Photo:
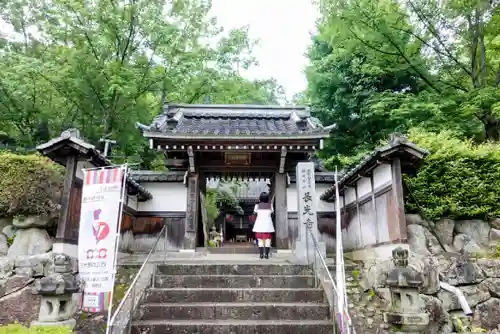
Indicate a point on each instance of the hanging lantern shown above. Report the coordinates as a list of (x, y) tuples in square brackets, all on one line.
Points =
[(229, 218)]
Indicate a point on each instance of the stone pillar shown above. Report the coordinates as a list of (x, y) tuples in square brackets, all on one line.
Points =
[(307, 220), (193, 198), (281, 214), (397, 224)]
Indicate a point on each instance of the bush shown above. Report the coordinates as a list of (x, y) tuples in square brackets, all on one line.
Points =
[(29, 185), (19, 329), (459, 179)]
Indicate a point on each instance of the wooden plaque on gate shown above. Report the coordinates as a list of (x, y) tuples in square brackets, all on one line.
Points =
[(238, 159)]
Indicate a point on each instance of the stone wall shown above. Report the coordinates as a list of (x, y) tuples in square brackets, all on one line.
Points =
[(463, 254), (25, 253)]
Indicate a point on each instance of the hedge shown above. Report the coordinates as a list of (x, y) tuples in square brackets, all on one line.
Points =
[(458, 180), (29, 185)]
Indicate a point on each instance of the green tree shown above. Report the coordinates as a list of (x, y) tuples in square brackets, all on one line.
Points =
[(102, 66), (383, 66)]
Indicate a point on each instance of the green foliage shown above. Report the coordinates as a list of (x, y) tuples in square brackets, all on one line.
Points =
[(220, 197), (344, 162), (10, 240), (458, 179), (30, 185), (385, 66), (101, 67), (19, 329)]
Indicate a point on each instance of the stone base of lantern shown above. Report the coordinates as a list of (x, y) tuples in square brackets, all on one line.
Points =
[(58, 308), (406, 323), (70, 323)]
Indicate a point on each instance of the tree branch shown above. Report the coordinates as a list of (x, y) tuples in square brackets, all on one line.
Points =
[(371, 46), (399, 51), (430, 27)]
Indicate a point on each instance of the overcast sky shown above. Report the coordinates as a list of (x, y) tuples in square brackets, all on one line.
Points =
[(283, 28)]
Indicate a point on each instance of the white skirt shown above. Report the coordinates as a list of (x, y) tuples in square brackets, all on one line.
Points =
[(263, 225)]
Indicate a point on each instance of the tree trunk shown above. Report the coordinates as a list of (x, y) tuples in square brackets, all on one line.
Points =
[(491, 128)]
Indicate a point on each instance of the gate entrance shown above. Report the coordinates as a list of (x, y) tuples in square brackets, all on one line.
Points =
[(234, 143)]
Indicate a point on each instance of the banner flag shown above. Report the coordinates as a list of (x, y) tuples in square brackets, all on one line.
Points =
[(100, 215)]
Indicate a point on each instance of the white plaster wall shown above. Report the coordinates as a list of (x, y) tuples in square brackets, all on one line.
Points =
[(322, 206), (171, 196), (291, 198), (364, 186), (132, 202), (382, 175), (333, 205), (82, 165), (350, 195)]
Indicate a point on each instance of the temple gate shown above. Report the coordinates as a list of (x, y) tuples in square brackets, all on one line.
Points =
[(235, 141)]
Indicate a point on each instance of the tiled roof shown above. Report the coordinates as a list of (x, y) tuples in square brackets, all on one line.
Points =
[(397, 143), (153, 176), (71, 136), (234, 121)]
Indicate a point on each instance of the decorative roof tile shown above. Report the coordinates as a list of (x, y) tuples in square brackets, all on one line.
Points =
[(235, 121)]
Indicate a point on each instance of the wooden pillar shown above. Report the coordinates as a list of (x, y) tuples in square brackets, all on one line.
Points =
[(398, 227), (193, 198), (63, 226), (281, 214), (374, 208)]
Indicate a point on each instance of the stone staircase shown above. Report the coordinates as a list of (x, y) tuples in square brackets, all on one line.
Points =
[(233, 298)]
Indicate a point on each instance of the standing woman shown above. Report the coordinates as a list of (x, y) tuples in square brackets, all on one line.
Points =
[(263, 226)]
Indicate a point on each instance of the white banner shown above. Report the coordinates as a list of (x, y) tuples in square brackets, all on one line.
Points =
[(99, 218)]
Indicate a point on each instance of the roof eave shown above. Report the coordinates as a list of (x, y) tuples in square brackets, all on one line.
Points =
[(241, 137), (89, 152), (407, 150)]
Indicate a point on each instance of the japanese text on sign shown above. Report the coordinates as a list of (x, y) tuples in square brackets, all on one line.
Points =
[(306, 194)]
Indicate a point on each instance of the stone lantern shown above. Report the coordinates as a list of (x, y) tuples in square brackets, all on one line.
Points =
[(60, 293), (406, 313)]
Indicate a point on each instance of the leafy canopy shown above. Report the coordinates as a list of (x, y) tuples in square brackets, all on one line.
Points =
[(101, 66)]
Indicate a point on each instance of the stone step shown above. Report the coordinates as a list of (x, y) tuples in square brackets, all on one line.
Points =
[(234, 311), (233, 327), (218, 295), (242, 281), (233, 269)]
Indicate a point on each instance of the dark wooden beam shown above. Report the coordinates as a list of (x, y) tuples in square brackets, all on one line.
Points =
[(69, 181)]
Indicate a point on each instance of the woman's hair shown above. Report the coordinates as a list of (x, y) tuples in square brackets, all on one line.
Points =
[(264, 197)]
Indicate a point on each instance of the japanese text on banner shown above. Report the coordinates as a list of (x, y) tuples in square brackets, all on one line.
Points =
[(100, 211)]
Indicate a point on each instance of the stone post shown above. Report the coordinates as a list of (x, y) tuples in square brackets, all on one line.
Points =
[(281, 214), (307, 219), (191, 227)]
